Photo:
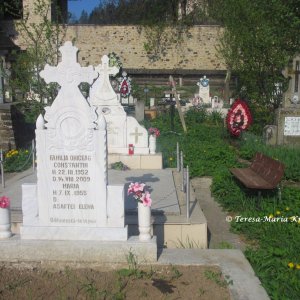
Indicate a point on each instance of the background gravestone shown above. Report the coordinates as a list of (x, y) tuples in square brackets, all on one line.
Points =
[(140, 110), (270, 134), (203, 84), (122, 130), (288, 116)]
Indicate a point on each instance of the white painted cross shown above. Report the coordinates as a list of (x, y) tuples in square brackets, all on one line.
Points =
[(68, 72), (136, 134)]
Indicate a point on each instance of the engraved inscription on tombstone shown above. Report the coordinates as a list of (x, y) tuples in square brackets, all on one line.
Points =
[(292, 126)]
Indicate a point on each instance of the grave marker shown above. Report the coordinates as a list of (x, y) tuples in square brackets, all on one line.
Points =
[(120, 126), (203, 84), (73, 200)]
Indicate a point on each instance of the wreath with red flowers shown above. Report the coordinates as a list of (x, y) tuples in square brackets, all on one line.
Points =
[(125, 85), (238, 118)]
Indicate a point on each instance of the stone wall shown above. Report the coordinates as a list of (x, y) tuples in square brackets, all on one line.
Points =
[(195, 54), (7, 140), (197, 51)]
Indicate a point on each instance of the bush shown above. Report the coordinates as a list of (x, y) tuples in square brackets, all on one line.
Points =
[(17, 160)]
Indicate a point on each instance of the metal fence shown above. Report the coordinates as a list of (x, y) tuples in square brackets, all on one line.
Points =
[(185, 179)]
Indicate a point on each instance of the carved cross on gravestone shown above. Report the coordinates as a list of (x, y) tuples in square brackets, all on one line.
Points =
[(136, 134), (68, 71), (105, 70)]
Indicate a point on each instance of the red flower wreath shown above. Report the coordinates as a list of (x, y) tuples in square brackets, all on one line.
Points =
[(238, 118)]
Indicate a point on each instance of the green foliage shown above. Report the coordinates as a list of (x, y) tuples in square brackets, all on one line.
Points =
[(289, 155), (176, 273), (119, 166), (133, 268), (250, 28), (224, 245), (141, 12), (43, 38), (17, 160), (217, 278), (262, 115), (273, 243), (208, 145)]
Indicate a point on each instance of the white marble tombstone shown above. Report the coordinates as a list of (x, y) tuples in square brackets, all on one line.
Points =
[(203, 84), (121, 130), (72, 200)]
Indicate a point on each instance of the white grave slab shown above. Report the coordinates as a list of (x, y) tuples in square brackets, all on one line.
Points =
[(121, 130), (204, 90), (72, 198)]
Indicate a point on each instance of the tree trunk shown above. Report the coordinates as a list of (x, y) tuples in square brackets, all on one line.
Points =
[(227, 85)]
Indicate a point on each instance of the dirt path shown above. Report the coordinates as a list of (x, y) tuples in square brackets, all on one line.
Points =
[(219, 235)]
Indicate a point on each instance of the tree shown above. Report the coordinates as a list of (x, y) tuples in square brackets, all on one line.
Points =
[(259, 40), (84, 18), (42, 38), (138, 12)]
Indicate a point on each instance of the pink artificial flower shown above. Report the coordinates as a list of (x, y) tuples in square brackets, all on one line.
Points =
[(4, 202), (136, 187), (146, 200), (154, 131)]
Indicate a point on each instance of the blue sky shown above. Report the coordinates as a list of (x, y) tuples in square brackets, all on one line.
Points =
[(76, 6)]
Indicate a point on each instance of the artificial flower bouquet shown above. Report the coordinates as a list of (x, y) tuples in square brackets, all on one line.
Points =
[(4, 202), (139, 194), (154, 131)]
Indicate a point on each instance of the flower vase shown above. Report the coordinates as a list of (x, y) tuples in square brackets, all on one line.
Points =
[(152, 144), (144, 218), (5, 226)]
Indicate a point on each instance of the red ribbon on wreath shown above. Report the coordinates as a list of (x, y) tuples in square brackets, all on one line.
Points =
[(238, 118)]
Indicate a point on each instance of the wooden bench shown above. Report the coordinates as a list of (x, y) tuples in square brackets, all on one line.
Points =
[(264, 173)]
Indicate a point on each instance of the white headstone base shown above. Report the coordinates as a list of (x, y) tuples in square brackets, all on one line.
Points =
[(136, 162), (78, 252), (120, 150), (73, 233)]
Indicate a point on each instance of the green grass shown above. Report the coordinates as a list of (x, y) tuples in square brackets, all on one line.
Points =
[(208, 152)]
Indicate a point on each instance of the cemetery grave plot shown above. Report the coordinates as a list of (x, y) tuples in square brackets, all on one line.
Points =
[(156, 282)]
